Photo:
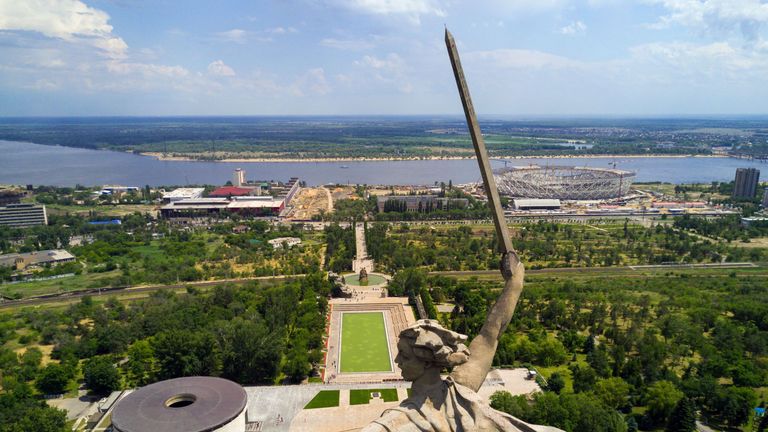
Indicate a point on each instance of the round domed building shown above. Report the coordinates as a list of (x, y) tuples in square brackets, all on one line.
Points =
[(190, 404)]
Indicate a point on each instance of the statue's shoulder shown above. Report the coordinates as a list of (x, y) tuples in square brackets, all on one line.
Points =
[(394, 420)]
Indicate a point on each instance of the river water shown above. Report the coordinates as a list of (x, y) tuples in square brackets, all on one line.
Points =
[(25, 163)]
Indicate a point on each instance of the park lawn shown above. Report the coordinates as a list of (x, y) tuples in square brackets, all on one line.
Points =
[(324, 399), (152, 250), (362, 397), (364, 346)]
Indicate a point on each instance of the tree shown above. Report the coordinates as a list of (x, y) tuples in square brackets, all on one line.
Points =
[(661, 398), (20, 411), (550, 352), (53, 379), (632, 425), (763, 427), (141, 365), (183, 353), (584, 378), (683, 417), (408, 281), (513, 405), (251, 353), (733, 405), (101, 376), (555, 383), (613, 392), (598, 359)]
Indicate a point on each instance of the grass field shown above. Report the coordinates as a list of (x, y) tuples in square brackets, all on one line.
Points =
[(362, 397), (364, 346), (324, 399)]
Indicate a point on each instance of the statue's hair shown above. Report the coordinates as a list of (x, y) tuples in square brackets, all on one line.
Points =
[(436, 344)]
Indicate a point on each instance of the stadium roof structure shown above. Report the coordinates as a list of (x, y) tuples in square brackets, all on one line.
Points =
[(564, 182), (190, 404)]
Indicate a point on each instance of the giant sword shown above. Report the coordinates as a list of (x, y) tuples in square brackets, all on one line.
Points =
[(483, 347)]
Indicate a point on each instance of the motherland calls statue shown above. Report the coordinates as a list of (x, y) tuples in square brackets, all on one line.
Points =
[(436, 404), (426, 348)]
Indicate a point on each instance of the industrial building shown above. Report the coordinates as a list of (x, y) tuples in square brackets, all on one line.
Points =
[(232, 191), (564, 182), (21, 261), (419, 203), (117, 190), (745, 183), (536, 204), (214, 207), (10, 196), (189, 404), (23, 215), (288, 242), (182, 193)]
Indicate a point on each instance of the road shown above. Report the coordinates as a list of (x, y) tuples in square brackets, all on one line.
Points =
[(734, 265), (74, 295)]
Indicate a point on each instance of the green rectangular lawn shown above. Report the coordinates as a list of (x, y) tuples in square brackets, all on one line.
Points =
[(364, 346)]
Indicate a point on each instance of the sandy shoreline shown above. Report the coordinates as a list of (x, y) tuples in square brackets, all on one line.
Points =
[(163, 157)]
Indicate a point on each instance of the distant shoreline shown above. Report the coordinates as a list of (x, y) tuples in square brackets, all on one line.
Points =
[(163, 157)]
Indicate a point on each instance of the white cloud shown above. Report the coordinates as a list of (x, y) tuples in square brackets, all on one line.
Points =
[(43, 84), (218, 68), (391, 69), (411, 9), (281, 30), (313, 82), (147, 70), (235, 35), (70, 20), (718, 60), (744, 16), (393, 63), (347, 44), (574, 28), (522, 59)]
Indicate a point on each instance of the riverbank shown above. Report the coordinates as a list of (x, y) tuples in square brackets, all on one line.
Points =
[(186, 158)]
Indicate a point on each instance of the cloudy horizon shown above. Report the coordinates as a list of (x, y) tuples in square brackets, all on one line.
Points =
[(522, 58)]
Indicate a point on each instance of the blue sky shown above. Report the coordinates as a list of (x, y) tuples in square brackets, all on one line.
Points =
[(331, 57)]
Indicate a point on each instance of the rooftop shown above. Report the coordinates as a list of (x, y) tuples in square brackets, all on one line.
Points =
[(183, 192), (230, 191), (190, 404)]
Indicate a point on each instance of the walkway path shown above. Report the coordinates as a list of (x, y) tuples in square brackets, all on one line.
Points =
[(330, 198), (361, 259)]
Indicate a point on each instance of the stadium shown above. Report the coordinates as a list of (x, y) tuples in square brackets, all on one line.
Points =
[(564, 182)]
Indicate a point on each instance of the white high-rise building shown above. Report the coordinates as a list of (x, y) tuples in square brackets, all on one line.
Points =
[(238, 178), (765, 198)]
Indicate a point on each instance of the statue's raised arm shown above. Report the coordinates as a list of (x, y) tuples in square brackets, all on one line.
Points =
[(483, 347), (426, 348)]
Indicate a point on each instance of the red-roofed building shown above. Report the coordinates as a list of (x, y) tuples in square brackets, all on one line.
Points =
[(230, 191)]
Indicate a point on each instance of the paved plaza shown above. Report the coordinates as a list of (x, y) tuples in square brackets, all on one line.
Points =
[(281, 408)]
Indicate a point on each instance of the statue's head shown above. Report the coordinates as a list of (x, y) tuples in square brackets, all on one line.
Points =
[(427, 345)]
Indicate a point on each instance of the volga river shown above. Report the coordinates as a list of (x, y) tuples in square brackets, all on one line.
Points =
[(25, 163)]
